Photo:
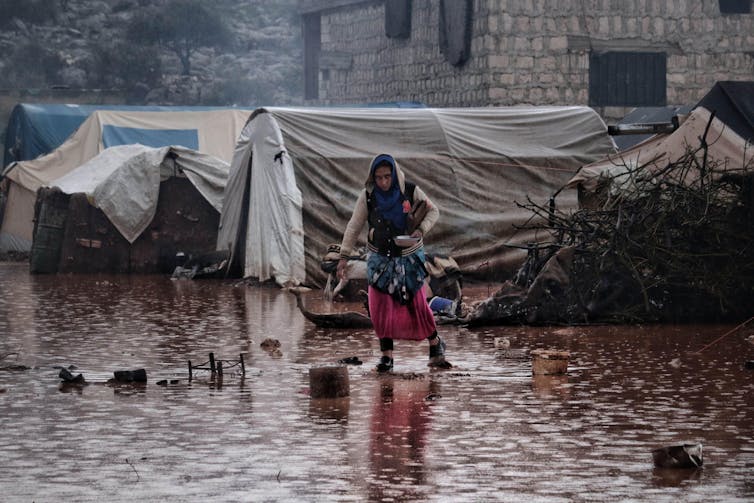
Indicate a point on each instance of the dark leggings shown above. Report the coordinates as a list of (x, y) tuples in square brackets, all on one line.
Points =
[(386, 343)]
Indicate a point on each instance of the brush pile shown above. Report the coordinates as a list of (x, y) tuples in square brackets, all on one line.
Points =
[(670, 243)]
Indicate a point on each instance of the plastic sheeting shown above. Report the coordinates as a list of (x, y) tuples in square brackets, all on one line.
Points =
[(297, 173), (124, 182), (215, 131)]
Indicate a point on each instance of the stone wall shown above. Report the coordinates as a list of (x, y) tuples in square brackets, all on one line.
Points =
[(527, 51)]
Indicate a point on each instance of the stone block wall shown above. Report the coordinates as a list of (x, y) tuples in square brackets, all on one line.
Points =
[(528, 51), (384, 69)]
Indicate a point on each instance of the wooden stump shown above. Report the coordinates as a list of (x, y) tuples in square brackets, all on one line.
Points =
[(328, 382), (546, 361)]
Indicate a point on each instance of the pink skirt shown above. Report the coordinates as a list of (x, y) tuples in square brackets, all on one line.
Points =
[(413, 322)]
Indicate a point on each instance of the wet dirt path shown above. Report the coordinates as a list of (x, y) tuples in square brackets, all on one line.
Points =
[(486, 430)]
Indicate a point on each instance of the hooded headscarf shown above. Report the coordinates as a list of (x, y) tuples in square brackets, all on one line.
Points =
[(389, 202)]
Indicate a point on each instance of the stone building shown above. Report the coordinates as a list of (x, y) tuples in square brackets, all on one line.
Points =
[(612, 55)]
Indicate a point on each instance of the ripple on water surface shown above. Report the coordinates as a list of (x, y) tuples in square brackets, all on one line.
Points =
[(486, 430)]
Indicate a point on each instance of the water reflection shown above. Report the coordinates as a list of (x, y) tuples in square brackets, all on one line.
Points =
[(399, 427), (550, 386), (330, 409), (485, 431), (668, 477)]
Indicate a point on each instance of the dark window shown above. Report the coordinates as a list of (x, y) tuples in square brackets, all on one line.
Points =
[(735, 6), (398, 18), (627, 79), (312, 49)]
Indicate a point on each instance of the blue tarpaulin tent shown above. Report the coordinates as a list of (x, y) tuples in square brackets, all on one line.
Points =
[(36, 129)]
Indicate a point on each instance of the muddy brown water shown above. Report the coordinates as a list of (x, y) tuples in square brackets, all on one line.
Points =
[(486, 430)]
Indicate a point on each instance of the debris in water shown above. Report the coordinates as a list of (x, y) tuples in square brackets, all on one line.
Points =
[(675, 362), (11, 368), (272, 346), (139, 375), (678, 456), (351, 360), (502, 343), (67, 377), (165, 382), (216, 366), (270, 343)]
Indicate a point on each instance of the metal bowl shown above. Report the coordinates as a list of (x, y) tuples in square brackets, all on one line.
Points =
[(405, 241)]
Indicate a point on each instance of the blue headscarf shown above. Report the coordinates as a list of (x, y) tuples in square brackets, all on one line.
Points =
[(389, 202)]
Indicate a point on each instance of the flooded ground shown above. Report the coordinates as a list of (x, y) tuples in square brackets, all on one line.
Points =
[(486, 430)]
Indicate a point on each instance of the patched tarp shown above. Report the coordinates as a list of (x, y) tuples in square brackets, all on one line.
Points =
[(297, 173), (213, 132), (124, 182)]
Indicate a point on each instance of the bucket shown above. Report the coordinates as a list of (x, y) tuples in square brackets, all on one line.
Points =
[(547, 361), (441, 305)]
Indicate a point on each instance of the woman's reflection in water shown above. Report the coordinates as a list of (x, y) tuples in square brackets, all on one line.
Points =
[(398, 437)]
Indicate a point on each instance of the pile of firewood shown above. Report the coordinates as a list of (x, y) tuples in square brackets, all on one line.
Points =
[(665, 244)]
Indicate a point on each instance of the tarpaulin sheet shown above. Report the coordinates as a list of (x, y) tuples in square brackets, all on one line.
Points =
[(124, 182)]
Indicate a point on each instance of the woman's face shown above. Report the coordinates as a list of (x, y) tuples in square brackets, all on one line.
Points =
[(383, 177)]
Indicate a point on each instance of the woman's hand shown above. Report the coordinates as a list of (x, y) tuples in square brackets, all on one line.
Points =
[(342, 263), (417, 234)]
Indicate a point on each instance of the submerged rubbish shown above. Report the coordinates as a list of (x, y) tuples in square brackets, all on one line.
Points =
[(678, 456), (351, 360), (12, 368), (69, 378), (139, 375)]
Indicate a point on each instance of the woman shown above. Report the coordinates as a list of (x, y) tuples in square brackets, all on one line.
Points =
[(397, 303)]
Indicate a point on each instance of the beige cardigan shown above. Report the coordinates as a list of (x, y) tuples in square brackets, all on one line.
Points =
[(360, 214)]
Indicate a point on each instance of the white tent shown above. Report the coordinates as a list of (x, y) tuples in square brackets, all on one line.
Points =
[(212, 132), (296, 174)]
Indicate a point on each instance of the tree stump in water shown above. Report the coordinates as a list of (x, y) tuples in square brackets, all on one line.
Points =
[(328, 382)]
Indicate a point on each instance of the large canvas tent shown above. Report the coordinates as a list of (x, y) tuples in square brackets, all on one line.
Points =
[(725, 117), (96, 217), (212, 132), (296, 174)]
